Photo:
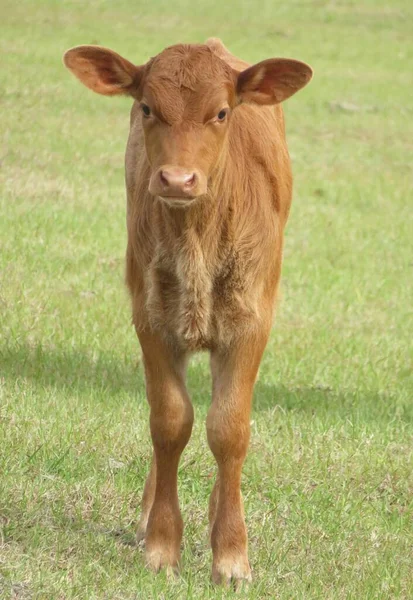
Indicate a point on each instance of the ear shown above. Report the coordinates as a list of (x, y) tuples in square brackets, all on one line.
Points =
[(272, 81), (103, 70)]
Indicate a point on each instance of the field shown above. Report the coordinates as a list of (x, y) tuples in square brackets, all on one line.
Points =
[(328, 483)]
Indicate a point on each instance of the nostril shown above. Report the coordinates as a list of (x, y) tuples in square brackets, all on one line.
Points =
[(190, 180), (163, 178), (175, 180)]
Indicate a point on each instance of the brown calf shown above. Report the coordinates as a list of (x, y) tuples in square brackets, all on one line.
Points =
[(209, 190)]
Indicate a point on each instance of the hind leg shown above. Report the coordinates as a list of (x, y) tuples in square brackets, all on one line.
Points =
[(147, 500)]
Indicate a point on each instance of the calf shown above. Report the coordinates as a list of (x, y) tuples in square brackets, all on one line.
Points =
[(209, 190)]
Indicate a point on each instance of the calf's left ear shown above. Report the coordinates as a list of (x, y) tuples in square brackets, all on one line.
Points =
[(272, 81)]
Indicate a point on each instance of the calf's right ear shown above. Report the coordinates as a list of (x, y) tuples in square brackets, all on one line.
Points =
[(103, 71)]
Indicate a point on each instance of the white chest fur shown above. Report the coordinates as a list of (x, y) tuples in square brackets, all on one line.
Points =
[(179, 292)]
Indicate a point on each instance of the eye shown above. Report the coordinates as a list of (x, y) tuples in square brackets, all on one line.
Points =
[(221, 116), (146, 110)]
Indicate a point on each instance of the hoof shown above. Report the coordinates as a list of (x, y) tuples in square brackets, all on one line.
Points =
[(140, 535), (162, 558), (235, 571)]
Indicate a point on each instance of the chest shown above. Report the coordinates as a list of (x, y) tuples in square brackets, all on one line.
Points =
[(200, 298)]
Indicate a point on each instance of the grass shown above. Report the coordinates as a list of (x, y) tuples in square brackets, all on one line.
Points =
[(328, 482)]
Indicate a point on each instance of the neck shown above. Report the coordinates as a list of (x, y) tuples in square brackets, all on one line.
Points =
[(200, 217)]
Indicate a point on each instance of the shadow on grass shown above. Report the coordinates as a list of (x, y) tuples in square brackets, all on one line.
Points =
[(80, 373), (73, 369), (350, 405)]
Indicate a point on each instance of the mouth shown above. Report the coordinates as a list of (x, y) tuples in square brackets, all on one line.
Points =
[(177, 202)]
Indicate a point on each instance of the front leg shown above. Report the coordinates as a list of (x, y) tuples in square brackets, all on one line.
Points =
[(234, 372), (171, 419)]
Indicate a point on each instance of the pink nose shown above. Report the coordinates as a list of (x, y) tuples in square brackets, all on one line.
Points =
[(175, 181)]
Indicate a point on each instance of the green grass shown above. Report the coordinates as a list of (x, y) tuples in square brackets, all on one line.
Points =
[(328, 482)]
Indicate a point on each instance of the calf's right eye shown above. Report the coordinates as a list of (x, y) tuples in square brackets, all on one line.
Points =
[(146, 110)]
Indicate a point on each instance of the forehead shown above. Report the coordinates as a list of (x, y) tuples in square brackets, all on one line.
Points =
[(185, 80)]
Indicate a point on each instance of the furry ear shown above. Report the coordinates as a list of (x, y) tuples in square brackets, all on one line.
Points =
[(103, 70), (272, 81)]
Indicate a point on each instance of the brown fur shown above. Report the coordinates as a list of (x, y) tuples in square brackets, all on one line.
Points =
[(203, 274)]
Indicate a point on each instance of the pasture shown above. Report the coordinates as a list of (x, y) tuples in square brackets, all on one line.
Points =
[(328, 481)]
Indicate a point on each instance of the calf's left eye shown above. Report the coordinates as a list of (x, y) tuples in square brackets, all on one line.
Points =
[(221, 116)]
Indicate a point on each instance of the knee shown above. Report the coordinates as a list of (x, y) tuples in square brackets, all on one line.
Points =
[(228, 433), (171, 426)]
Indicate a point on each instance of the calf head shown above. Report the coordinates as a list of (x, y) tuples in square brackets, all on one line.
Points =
[(187, 94)]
